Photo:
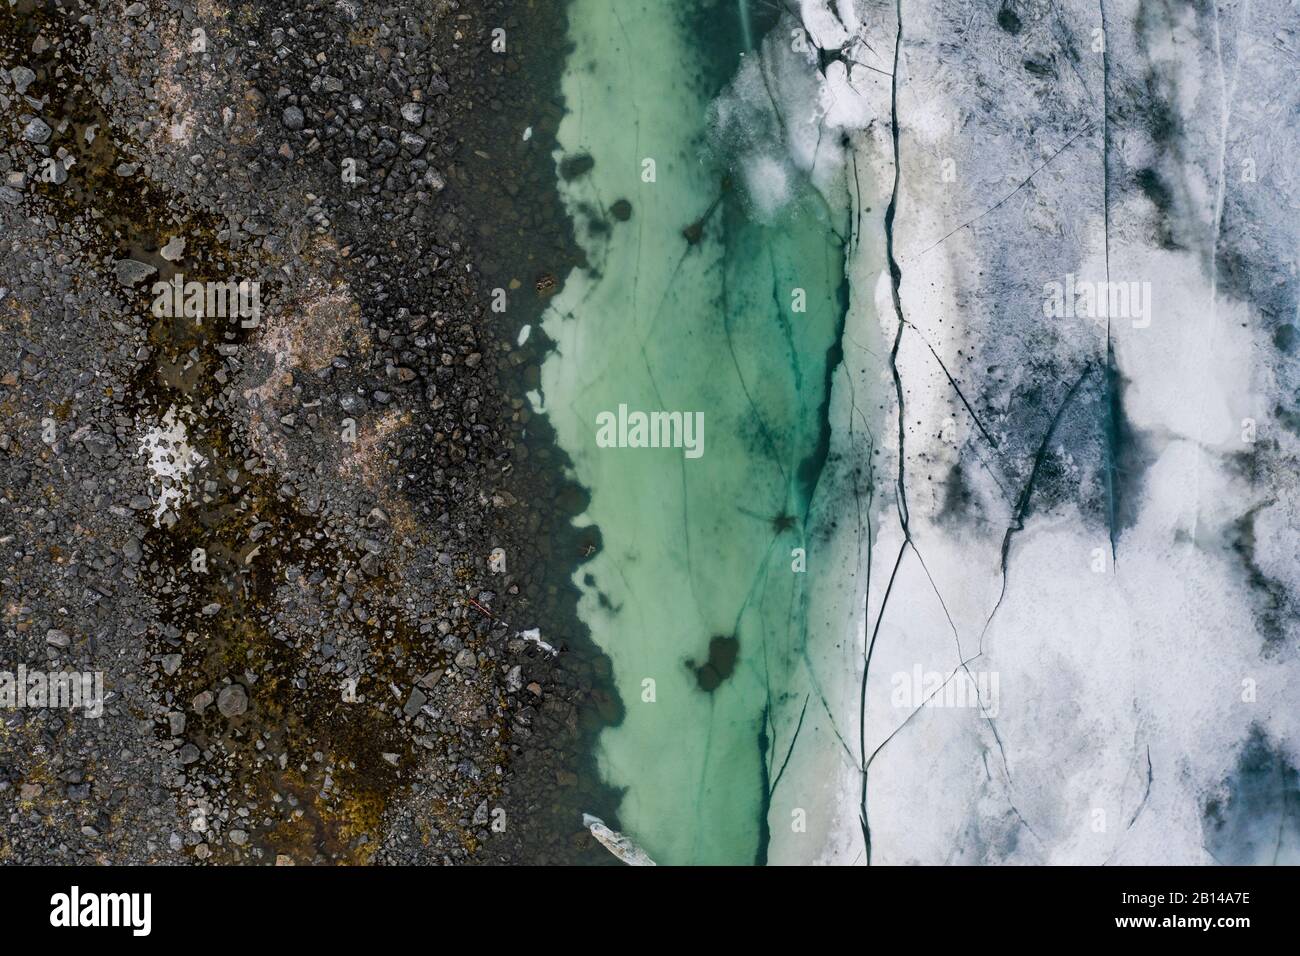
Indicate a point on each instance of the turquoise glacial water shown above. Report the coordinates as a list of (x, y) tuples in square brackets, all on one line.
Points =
[(692, 303)]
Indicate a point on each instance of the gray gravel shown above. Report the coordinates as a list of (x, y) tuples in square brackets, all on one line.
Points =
[(298, 631)]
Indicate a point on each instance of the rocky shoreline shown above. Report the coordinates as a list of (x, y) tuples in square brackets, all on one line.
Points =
[(274, 533)]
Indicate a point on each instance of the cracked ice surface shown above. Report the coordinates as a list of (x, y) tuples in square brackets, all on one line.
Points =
[(1089, 517), (707, 301)]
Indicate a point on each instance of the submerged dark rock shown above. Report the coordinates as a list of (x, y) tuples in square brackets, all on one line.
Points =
[(1255, 819), (1008, 21), (571, 167), (721, 664)]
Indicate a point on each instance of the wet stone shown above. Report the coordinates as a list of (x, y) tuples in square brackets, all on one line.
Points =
[(131, 272), (36, 130), (413, 144), (414, 702), (232, 701), (22, 78), (174, 249)]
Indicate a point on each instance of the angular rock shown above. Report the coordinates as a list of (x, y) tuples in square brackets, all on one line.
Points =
[(131, 272), (36, 130), (22, 78)]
